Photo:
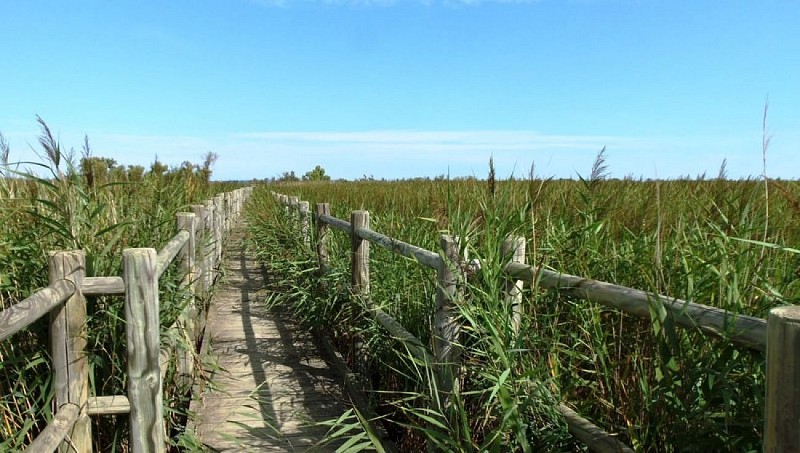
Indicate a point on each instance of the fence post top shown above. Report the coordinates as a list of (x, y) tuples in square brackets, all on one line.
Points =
[(185, 214), (791, 312)]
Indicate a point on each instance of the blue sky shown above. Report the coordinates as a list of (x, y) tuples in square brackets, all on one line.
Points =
[(403, 88)]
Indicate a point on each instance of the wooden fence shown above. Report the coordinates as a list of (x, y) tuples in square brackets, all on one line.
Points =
[(198, 244), (778, 337)]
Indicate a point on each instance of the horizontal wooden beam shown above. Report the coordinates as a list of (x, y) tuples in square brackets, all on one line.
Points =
[(108, 405), (56, 431), (103, 286), (590, 434), (170, 251), (423, 256), (339, 224), (743, 330), (24, 313)]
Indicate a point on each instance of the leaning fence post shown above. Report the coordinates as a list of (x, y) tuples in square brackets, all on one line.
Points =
[(782, 414), (514, 249), (143, 334), (68, 347), (446, 326), (322, 237)]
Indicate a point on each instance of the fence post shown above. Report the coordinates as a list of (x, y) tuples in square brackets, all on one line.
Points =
[(199, 212), (187, 221), (208, 244), (782, 430), (514, 249), (68, 347), (305, 232), (446, 327), (359, 280), (359, 268), (143, 334), (219, 225), (322, 238)]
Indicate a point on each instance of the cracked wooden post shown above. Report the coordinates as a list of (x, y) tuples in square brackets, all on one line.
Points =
[(323, 259), (514, 249), (68, 348), (143, 338), (782, 409)]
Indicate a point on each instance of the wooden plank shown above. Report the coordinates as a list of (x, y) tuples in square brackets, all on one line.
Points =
[(782, 411), (170, 251), (108, 405), (270, 384), (24, 313), (421, 255), (339, 224), (594, 437), (56, 431), (744, 330), (103, 286), (142, 329), (68, 332)]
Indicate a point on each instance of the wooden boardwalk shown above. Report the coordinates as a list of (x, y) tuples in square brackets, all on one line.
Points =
[(271, 385)]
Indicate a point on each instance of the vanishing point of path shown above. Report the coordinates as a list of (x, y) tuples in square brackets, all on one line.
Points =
[(271, 384)]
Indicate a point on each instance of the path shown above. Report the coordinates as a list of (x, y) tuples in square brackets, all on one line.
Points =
[(271, 385)]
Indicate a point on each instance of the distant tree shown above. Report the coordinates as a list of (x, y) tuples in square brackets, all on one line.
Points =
[(157, 168), (288, 177), (317, 174)]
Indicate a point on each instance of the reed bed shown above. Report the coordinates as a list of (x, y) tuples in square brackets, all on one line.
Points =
[(72, 200), (658, 386)]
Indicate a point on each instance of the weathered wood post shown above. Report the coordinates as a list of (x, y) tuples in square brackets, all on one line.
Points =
[(305, 231), (208, 245), (322, 238), (143, 331), (68, 347), (293, 212), (186, 320), (284, 200), (782, 414), (514, 249), (219, 217), (359, 279), (199, 212), (446, 325)]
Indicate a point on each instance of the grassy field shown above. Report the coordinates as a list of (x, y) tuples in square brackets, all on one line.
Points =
[(662, 388), (100, 207)]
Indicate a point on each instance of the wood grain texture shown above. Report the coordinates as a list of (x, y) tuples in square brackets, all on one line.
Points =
[(103, 286), (170, 251), (744, 330), (143, 337), (52, 437), (782, 412), (514, 249), (108, 405), (322, 232), (68, 332), (23, 313), (271, 385)]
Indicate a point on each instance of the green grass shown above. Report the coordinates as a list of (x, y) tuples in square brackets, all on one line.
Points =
[(660, 387)]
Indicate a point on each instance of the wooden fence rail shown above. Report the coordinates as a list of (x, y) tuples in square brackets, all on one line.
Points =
[(198, 243), (779, 337)]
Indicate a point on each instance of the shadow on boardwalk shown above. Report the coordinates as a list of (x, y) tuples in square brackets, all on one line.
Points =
[(271, 385)]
